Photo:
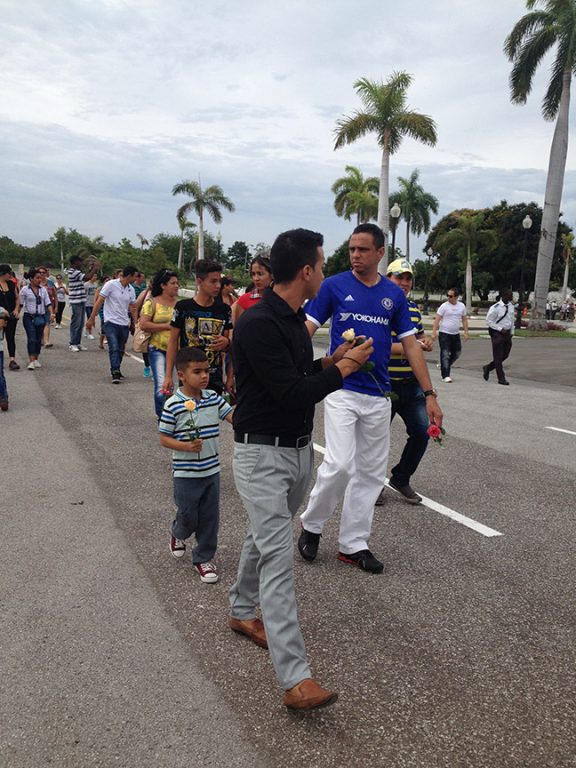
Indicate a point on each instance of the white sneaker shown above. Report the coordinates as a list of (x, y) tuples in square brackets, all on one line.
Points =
[(91, 337), (37, 364), (57, 327), (31, 367), (81, 348), (74, 348), (207, 571), (447, 380)]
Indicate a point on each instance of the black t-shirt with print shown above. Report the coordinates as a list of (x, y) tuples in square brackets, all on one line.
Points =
[(198, 327)]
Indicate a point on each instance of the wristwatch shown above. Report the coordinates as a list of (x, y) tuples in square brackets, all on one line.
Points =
[(430, 393)]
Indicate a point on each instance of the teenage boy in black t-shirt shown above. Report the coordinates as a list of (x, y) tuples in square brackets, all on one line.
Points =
[(203, 322)]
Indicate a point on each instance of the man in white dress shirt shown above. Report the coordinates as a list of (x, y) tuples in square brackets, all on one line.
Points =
[(500, 321)]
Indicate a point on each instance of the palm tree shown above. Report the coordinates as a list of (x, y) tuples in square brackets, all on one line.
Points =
[(530, 40), (183, 224), (212, 199), (386, 114), (465, 237), (356, 196), (568, 254), (416, 206)]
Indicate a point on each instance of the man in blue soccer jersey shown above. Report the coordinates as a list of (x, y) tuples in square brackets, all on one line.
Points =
[(357, 417)]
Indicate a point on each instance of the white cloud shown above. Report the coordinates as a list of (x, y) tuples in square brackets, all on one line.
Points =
[(105, 104)]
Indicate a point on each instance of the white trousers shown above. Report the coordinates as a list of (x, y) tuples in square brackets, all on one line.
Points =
[(357, 435)]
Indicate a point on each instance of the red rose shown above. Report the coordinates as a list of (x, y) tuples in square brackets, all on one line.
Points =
[(434, 431)]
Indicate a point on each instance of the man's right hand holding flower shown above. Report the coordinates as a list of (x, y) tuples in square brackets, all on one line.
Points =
[(355, 357)]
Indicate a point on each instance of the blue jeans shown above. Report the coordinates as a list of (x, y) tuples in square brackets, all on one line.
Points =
[(411, 407), (34, 333), (3, 387), (450, 351), (76, 323), (197, 499), (157, 360), (117, 336)]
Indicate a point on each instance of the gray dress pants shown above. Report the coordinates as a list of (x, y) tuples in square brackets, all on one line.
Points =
[(272, 483)]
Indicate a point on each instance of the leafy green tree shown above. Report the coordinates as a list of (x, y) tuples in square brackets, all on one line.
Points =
[(238, 256), (416, 206), (531, 39), (356, 195), (465, 238), (339, 261), (211, 200), (387, 115), (184, 225)]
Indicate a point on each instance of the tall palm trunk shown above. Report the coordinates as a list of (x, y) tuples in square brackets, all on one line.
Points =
[(181, 251), (408, 239), (469, 281), (383, 205), (552, 198), (200, 234), (565, 283)]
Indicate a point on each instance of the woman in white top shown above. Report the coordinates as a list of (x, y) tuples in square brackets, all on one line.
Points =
[(35, 304)]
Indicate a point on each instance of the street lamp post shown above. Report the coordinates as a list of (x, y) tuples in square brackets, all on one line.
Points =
[(526, 223), (219, 243), (395, 212), (430, 253)]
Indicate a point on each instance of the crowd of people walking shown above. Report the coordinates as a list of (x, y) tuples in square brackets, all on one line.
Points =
[(255, 353)]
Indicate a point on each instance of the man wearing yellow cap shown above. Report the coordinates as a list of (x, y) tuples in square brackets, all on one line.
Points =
[(410, 404)]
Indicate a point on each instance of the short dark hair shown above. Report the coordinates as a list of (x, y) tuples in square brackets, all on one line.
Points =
[(506, 294), (205, 266), (160, 279), (188, 355), (293, 250), (453, 290), (75, 260), (32, 273), (374, 230), (129, 270), (5, 269)]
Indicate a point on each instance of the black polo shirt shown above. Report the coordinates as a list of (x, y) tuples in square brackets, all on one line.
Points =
[(277, 381)]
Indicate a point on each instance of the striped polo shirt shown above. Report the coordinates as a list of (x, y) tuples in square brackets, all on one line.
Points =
[(178, 422), (76, 288), (399, 367)]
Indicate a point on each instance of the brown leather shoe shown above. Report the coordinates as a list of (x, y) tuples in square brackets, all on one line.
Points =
[(252, 628), (308, 695)]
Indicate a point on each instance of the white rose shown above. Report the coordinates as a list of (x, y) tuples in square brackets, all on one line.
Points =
[(349, 335)]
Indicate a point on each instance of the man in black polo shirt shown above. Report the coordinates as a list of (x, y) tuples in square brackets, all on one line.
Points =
[(278, 385)]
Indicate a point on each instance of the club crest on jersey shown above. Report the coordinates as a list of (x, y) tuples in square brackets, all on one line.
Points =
[(387, 303)]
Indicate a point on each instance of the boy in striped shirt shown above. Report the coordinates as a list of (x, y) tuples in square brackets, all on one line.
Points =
[(189, 428)]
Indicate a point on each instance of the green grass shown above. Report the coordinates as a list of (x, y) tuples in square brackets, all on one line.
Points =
[(545, 334)]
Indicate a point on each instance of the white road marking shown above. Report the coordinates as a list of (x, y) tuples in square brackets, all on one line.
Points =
[(139, 359), (557, 429), (442, 510)]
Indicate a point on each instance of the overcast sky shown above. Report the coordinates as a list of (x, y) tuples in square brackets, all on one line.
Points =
[(106, 104)]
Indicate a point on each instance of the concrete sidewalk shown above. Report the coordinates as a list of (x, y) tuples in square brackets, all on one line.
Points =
[(93, 670)]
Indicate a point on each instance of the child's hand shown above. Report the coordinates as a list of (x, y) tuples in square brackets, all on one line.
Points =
[(195, 446)]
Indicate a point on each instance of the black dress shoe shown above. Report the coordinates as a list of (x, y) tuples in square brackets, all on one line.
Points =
[(485, 372), (504, 382), (308, 544)]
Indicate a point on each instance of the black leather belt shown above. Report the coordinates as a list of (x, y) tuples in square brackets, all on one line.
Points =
[(250, 438)]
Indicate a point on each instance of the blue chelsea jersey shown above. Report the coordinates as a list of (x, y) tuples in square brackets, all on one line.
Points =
[(373, 311)]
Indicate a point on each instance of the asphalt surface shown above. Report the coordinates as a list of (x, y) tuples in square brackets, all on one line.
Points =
[(461, 654)]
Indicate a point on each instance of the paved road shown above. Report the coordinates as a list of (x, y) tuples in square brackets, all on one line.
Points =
[(461, 654)]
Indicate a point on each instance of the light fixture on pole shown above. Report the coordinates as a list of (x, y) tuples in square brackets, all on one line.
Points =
[(527, 224), (395, 212), (219, 243)]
